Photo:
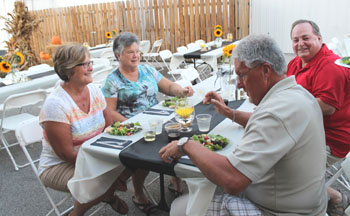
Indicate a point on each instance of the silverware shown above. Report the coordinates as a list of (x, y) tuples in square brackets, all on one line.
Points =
[(110, 145), (156, 112), (118, 143)]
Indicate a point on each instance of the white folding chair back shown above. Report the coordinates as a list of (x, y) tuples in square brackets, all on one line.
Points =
[(145, 45), (38, 69), (10, 123), (166, 55), (193, 46), (29, 132), (154, 53), (190, 74), (100, 76)]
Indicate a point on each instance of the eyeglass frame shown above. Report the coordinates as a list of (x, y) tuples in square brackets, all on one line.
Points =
[(86, 65), (243, 75)]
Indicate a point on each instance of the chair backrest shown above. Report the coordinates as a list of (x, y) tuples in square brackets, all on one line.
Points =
[(182, 49), (156, 46), (38, 69), (190, 74), (25, 99), (145, 45), (165, 55), (99, 76)]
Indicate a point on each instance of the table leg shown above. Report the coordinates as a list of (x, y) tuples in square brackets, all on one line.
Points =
[(162, 205)]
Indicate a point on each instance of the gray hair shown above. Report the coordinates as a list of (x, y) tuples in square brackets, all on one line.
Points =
[(123, 40), (258, 49), (315, 28), (66, 57)]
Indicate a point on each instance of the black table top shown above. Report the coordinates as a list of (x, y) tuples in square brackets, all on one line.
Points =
[(144, 155)]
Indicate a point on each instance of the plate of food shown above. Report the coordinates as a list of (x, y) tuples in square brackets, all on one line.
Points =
[(345, 62), (211, 141), (123, 129), (170, 102)]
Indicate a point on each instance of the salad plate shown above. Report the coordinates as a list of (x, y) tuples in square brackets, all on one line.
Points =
[(123, 129), (340, 62), (213, 142)]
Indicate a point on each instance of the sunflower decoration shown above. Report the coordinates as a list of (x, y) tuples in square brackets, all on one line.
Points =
[(5, 67), (7, 64), (218, 31), (227, 51), (108, 35)]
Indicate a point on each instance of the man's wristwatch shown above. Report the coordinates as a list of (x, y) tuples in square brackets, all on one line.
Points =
[(181, 143)]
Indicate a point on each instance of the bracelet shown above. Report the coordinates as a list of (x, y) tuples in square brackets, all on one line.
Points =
[(233, 116)]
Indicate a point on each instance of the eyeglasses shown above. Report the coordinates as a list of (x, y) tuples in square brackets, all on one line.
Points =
[(243, 75), (86, 65)]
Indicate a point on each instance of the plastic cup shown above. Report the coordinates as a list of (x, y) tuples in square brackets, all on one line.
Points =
[(149, 134), (203, 121), (157, 123), (173, 131)]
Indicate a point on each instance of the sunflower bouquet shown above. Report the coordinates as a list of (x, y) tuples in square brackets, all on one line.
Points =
[(110, 35), (218, 34), (226, 54), (10, 62)]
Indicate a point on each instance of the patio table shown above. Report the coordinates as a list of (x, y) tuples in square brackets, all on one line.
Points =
[(97, 167), (210, 57)]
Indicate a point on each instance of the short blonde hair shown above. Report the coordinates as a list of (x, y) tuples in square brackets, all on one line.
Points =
[(66, 57)]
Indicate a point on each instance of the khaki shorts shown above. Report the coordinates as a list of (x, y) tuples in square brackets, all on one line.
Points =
[(57, 177), (331, 159)]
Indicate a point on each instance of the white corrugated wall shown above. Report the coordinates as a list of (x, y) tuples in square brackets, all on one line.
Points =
[(275, 17)]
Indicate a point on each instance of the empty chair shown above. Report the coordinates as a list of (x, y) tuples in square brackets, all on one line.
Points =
[(10, 123), (166, 55), (99, 76), (108, 54), (145, 45), (199, 42), (29, 132), (193, 46), (190, 74), (154, 53)]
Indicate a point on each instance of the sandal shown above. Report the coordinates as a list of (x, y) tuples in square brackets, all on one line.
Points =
[(145, 207), (171, 188), (118, 205), (338, 209)]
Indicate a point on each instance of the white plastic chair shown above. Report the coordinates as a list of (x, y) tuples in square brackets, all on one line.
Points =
[(199, 42), (108, 54), (29, 132), (166, 55), (10, 123), (154, 53), (190, 74), (100, 76), (339, 177)]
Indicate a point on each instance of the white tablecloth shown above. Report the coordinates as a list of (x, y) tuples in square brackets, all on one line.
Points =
[(201, 190), (209, 57)]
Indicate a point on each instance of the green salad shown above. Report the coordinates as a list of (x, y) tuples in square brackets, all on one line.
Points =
[(345, 60), (211, 141), (170, 102), (124, 129)]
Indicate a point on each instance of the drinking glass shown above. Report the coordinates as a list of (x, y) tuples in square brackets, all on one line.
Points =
[(184, 110), (229, 36)]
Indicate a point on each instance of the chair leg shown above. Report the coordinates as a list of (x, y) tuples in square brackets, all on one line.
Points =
[(6, 146)]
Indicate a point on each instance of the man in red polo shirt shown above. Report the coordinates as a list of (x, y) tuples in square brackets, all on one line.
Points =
[(314, 69)]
